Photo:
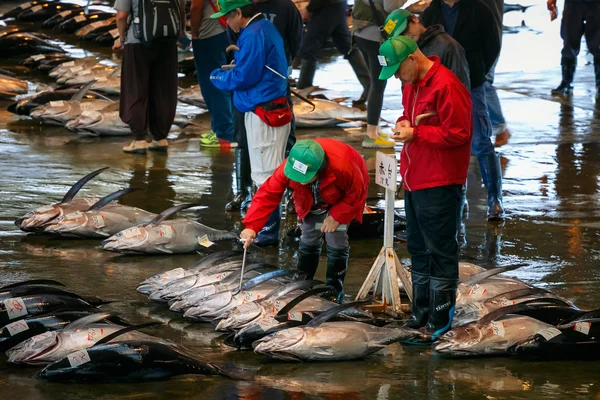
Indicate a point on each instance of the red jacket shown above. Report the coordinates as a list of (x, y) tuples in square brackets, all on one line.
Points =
[(344, 184), (440, 150)]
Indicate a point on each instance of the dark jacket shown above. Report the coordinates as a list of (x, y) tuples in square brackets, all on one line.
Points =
[(476, 31), (285, 16), (317, 5), (436, 42)]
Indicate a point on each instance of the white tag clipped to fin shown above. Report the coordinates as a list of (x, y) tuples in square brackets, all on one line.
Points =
[(166, 231), (38, 57), (98, 221), (68, 64), (295, 316), (58, 103), (15, 307), (549, 333), (17, 327), (583, 327), (78, 358), (203, 241), (80, 18), (36, 8), (497, 328)]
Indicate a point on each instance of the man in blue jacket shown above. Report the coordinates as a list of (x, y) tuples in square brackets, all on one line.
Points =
[(258, 82)]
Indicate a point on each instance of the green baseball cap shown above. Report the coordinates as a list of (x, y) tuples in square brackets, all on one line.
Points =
[(226, 6), (396, 22), (392, 52), (304, 161)]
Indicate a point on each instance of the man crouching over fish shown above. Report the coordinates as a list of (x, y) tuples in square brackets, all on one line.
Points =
[(329, 180), (436, 131)]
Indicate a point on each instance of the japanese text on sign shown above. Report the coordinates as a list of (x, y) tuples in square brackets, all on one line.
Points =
[(385, 171)]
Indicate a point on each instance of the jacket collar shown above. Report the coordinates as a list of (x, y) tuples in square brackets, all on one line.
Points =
[(463, 16), (431, 72), (254, 19)]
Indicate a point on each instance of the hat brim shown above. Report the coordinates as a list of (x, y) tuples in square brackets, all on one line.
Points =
[(296, 176), (219, 14), (388, 71)]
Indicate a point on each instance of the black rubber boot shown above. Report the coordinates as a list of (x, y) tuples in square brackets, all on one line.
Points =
[(568, 73), (491, 173), (243, 180), (308, 261), (337, 265), (420, 301), (361, 70), (307, 74)]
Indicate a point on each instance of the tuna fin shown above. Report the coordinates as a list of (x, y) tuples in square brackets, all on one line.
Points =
[(111, 197), (77, 186), (235, 372), (90, 319), (249, 284), (7, 73), (120, 332), (282, 315), (78, 96), (33, 282), (586, 315), (327, 315), (518, 293), (94, 300), (491, 272), (290, 287), (170, 211), (517, 308)]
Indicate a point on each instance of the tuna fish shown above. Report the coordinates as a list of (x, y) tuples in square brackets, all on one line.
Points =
[(325, 113), (19, 44), (192, 96), (38, 219), (95, 29), (77, 22), (43, 12), (11, 87), (100, 123), (166, 237), (320, 340)]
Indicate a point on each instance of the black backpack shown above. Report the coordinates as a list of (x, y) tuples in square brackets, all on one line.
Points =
[(159, 22)]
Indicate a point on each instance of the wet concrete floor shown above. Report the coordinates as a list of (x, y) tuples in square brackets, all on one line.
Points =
[(551, 196)]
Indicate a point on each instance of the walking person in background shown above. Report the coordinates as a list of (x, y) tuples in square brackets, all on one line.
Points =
[(472, 24), (259, 84), (327, 18), (579, 17), (209, 41), (148, 81), (436, 131), (368, 18)]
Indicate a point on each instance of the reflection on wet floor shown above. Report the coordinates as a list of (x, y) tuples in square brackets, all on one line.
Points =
[(550, 167)]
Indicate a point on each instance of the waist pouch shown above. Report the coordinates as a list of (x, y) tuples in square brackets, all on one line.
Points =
[(274, 113)]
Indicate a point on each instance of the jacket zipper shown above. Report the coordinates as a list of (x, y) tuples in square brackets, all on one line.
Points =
[(406, 145)]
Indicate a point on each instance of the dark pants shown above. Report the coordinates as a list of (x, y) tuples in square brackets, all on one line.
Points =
[(580, 18), (328, 22), (370, 51), (209, 54), (149, 90), (432, 217)]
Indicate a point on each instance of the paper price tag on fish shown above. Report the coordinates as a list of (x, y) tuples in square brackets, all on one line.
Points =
[(101, 79), (114, 33), (15, 307), (17, 327), (497, 328), (74, 215), (583, 327), (295, 316), (166, 231), (36, 8), (549, 333), (266, 323), (24, 6), (98, 221), (203, 241), (78, 358), (68, 64), (279, 304), (44, 209), (38, 57), (80, 18), (76, 69), (41, 336), (65, 13), (477, 291), (222, 275), (58, 103), (131, 232), (506, 303)]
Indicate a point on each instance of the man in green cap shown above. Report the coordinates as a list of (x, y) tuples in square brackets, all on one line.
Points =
[(259, 83), (432, 41), (330, 183), (436, 131)]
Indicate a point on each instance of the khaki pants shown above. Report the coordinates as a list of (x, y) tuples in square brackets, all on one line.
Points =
[(266, 146)]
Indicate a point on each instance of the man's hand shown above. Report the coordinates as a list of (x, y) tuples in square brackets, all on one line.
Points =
[(329, 225), (305, 14), (247, 236), (232, 47), (403, 135), (402, 124), (117, 46), (553, 10)]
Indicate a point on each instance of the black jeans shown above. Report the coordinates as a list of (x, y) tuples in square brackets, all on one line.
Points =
[(330, 21), (432, 222), (370, 51)]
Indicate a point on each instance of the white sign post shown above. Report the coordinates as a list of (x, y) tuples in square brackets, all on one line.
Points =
[(387, 268)]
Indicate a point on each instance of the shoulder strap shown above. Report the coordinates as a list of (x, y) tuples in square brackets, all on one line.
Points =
[(378, 18)]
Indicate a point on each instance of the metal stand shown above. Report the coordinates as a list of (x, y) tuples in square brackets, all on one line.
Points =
[(387, 269)]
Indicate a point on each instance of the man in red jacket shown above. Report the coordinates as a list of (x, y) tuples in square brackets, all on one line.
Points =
[(436, 131), (330, 183)]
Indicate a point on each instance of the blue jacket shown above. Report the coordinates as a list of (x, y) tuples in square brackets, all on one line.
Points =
[(252, 83)]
